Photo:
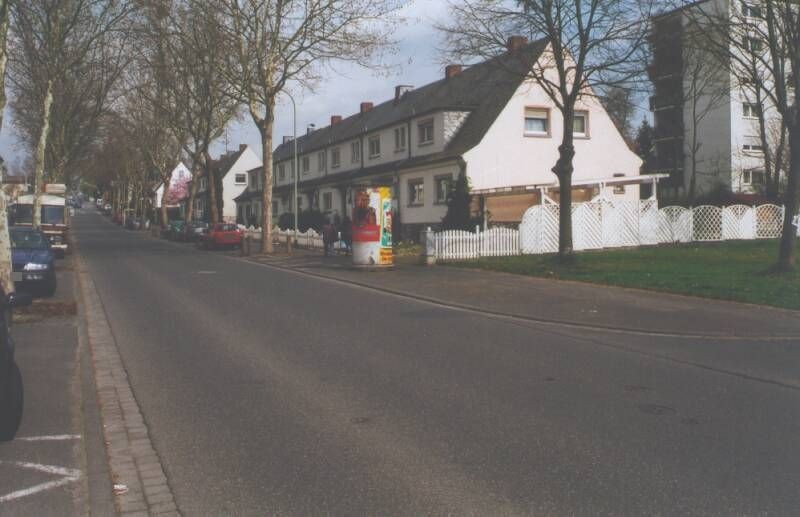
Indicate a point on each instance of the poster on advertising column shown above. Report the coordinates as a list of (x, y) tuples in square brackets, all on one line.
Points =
[(372, 226)]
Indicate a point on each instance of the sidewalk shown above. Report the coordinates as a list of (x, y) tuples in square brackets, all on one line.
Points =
[(554, 301)]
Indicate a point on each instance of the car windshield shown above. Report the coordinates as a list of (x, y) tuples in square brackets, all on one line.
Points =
[(51, 214), (28, 239)]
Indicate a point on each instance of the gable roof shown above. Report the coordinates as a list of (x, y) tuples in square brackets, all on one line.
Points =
[(483, 89), (225, 163)]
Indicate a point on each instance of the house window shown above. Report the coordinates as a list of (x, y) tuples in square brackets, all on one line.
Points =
[(444, 185), (580, 124), (416, 192), (753, 177), (281, 172), (750, 110), (336, 157), (374, 146), (327, 201), (321, 161), (425, 129), (753, 148), (753, 44), (253, 179), (306, 164), (400, 138), (355, 151), (751, 11), (299, 204), (537, 121), (240, 179)]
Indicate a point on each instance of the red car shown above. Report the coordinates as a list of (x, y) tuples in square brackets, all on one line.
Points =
[(221, 235)]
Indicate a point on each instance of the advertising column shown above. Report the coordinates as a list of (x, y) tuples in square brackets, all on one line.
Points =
[(372, 226)]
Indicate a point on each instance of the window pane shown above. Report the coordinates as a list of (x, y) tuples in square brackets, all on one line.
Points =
[(579, 124), (535, 125)]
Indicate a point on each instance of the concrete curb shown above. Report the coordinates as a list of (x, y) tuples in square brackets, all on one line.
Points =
[(140, 484)]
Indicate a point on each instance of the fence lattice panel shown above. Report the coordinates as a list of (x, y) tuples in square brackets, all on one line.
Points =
[(549, 238), (707, 223), (620, 224), (530, 231), (675, 224), (769, 221), (648, 221), (587, 224), (738, 222)]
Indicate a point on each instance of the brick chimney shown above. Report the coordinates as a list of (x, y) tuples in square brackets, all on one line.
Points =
[(452, 71), (400, 90), (515, 43), (335, 119), (365, 107)]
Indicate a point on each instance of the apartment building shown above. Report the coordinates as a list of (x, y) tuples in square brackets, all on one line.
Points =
[(705, 110), (488, 121)]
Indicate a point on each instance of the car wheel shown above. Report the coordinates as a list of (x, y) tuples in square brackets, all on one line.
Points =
[(11, 407)]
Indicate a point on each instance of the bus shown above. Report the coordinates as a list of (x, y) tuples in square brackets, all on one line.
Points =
[(55, 218)]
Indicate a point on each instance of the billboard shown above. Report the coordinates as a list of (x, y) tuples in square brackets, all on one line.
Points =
[(372, 226)]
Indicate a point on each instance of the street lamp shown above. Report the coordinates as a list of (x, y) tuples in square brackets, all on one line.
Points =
[(296, 167)]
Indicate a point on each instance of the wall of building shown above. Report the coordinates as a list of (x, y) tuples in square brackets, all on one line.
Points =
[(230, 188), (507, 157)]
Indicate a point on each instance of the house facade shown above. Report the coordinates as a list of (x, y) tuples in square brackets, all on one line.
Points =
[(231, 169), (179, 177), (705, 108), (487, 121)]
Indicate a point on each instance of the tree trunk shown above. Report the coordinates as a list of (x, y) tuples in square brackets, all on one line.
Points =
[(563, 171), (164, 215), (192, 194), (6, 283), (788, 243), (38, 171), (212, 188), (265, 129)]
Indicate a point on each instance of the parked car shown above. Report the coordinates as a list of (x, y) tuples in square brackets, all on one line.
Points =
[(174, 230), (11, 388), (33, 260), (221, 235), (193, 232)]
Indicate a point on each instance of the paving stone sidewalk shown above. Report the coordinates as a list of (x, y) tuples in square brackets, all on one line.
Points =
[(140, 485)]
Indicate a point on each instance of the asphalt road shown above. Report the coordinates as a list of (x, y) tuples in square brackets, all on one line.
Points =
[(270, 392)]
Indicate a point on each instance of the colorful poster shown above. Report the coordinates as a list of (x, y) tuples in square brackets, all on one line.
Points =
[(372, 226)]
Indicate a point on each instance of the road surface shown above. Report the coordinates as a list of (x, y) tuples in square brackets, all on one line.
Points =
[(266, 392)]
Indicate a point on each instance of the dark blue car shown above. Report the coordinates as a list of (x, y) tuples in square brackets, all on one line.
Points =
[(33, 261)]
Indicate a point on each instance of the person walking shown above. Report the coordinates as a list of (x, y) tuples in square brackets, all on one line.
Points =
[(328, 236)]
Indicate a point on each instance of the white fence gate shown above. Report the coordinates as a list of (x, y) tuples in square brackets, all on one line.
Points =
[(605, 224)]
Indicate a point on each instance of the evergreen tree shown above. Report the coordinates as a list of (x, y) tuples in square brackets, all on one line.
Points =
[(459, 206), (644, 143)]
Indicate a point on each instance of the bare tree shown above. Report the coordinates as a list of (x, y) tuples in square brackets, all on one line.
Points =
[(592, 44), (277, 43), (200, 94), (768, 35), (6, 282), (49, 38)]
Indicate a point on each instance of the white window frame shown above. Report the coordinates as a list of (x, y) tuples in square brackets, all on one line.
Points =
[(585, 115), (321, 155), (355, 151), (748, 8), (411, 190), (237, 176), (336, 157), (530, 113), (437, 181), (400, 139), (306, 163), (372, 140), (751, 108), (425, 132), (281, 172), (327, 201)]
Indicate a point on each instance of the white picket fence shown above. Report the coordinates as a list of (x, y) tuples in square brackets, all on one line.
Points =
[(308, 239), (459, 244), (603, 224)]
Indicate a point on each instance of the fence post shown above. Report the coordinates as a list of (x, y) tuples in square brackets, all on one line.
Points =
[(428, 241)]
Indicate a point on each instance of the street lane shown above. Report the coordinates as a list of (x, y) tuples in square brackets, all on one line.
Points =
[(269, 392)]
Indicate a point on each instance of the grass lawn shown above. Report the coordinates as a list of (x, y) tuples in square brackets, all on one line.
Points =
[(732, 270)]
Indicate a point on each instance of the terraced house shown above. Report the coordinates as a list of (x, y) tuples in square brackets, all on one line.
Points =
[(487, 121)]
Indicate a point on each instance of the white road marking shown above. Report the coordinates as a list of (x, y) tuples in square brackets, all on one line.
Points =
[(68, 476), (50, 438), (206, 272)]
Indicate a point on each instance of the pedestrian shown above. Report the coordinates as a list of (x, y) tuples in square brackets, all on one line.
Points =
[(328, 236), (347, 235)]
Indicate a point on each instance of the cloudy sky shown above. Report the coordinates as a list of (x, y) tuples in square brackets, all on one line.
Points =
[(342, 90)]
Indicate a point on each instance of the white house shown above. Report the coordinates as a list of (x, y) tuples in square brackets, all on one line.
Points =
[(180, 176), (486, 121), (728, 149), (232, 169)]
